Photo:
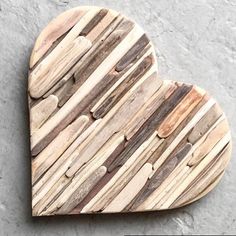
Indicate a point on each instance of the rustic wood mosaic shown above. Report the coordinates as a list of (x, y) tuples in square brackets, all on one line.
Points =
[(107, 134)]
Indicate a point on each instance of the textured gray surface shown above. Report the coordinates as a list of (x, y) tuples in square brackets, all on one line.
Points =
[(196, 43)]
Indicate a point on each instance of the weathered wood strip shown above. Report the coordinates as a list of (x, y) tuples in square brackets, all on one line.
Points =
[(48, 62), (53, 151), (82, 175), (133, 53), (121, 77), (205, 123), (102, 27), (41, 112), (204, 109), (40, 85), (55, 29), (108, 30), (125, 86), (180, 112), (122, 177), (130, 190), (149, 108), (93, 22), (149, 126), (82, 191), (210, 141), (101, 52)]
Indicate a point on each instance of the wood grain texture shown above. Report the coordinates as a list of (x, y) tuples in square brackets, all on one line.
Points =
[(107, 134)]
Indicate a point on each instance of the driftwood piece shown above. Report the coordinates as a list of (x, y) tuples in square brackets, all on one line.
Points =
[(107, 134)]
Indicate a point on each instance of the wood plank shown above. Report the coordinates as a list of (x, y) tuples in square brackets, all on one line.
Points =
[(180, 112), (205, 123), (40, 84), (210, 141), (55, 29), (82, 191), (133, 53), (41, 112), (130, 190)]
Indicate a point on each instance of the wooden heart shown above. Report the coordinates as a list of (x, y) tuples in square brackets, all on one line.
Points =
[(107, 134)]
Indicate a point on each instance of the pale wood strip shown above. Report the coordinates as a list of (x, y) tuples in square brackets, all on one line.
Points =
[(205, 123), (52, 176), (82, 175), (122, 177), (203, 110), (207, 189), (130, 190), (40, 137), (55, 88), (205, 180), (180, 112), (54, 150), (50, 196), (145, 112), (40, 84), (121, 79), (108, 31), (48, 61), (117, 117), (82, 191), (164, 195), (94, 21), (55, 29), (98, 30), (41, 112), (214, 136), (197, 170)]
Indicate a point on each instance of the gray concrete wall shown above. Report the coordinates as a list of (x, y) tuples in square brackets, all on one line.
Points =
[(195, 42)]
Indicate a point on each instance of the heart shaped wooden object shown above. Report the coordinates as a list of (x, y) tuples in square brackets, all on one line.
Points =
[(107, 134)]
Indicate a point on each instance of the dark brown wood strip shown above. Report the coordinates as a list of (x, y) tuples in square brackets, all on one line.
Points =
[(93, 192), (96, 19), (161, 174), (150, 126), (133, 53), (125, 86)]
